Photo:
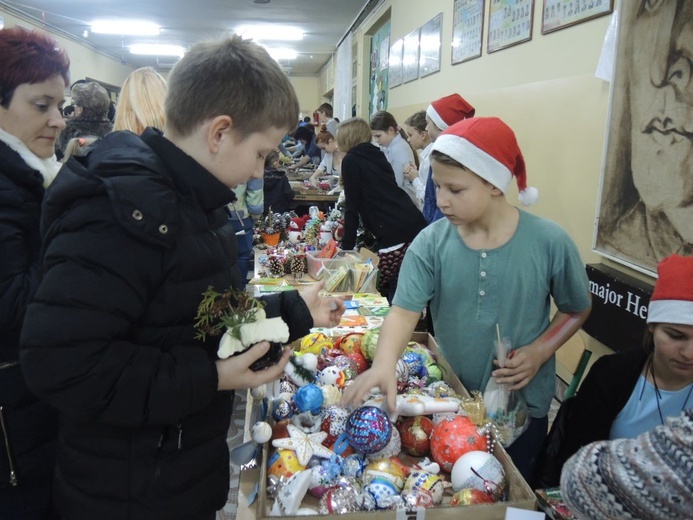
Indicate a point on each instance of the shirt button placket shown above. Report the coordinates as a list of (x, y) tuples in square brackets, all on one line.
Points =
[(482, 276)]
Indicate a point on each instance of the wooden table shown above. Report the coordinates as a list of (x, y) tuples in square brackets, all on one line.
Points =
[(306, 198)]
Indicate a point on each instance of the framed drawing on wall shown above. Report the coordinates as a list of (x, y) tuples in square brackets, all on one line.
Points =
[(559, 14), (429, 45), (410, 56), (396, 63), (645, 208), (510, 23), (467, 30)]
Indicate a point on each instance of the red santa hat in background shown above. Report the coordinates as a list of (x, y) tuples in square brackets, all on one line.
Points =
[(488, 147), (672, 298), (449, 110)]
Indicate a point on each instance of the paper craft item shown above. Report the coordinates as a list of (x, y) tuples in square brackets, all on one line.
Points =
[(353, 321), (370, 300), (336, 278)]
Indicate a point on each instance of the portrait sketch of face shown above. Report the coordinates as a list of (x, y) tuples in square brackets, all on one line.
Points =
[(646, 206)]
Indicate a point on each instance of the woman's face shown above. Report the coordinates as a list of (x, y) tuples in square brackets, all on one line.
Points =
[(384, 138), (416, 139), (34, 115), (329, 146), (673, 352)]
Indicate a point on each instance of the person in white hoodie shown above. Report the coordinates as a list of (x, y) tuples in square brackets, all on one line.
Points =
[(34, 72)]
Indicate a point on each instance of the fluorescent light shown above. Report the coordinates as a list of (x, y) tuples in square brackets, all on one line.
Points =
[(282, 53), (267, 32), (154, 49), (125, 27)]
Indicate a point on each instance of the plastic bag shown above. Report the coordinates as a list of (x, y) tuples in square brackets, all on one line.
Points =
[(508, 409)]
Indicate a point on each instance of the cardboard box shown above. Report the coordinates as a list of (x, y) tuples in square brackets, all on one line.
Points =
[(520, 495)]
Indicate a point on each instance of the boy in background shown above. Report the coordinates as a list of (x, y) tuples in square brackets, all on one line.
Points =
[(487, 263), (277, 190), (134, 233)]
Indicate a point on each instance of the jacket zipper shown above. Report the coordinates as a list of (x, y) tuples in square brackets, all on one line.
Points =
[(13, 475)]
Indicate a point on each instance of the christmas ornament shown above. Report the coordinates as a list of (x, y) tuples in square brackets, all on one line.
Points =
[(351, 342), (275, 266), (415, 433), (334, 419), (308, 398), (368, 429), (383, 492), (420, 479), (341, 499), (413, 500), (386, 469), (290, 496), (283, 463), (353, 466), (369, 342), (391, 449), (470, 497), (302, 369), (331, 395), (331, 375), (453, 437), (304, 445), (282, 408), (359, 361), (316, 343), (479, 470)]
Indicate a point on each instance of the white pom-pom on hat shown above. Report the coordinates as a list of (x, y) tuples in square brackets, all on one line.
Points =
[(529, 196)]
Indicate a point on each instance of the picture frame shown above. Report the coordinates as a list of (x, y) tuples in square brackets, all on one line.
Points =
[(559, 14), (430, 43), (410, 56), (395, 71), (467, 30), (510, 23), (643, 210)]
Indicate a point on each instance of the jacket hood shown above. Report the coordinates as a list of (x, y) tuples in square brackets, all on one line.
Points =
[(369, 152)]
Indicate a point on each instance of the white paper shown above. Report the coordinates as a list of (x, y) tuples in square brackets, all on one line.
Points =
[(512, 513), (605, 65)]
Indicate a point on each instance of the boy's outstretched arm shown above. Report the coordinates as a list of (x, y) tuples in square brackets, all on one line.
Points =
[(394, 336), (526, 360)]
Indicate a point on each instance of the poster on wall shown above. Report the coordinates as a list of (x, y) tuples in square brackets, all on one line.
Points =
[(395, 63), (429, 45), (510, 23), (410, 56), (467, 30), (645, 208), (559, 14), (379, 76)]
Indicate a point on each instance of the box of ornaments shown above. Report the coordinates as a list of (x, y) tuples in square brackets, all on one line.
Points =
[(439, 457)]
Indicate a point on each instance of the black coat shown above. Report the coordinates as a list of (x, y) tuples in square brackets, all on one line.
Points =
[(372, 193), (587, 417), (277, 191), (133, 234), (31, 425)]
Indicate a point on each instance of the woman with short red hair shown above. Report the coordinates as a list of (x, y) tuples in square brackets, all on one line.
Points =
[(34, 72)]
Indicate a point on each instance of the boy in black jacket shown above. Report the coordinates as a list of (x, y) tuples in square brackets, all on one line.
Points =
[(278, 192), (134, 233)]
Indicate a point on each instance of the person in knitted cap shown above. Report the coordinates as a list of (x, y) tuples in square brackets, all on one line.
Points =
[(487, 264), (91, 103), (634, 390), (441, 114)]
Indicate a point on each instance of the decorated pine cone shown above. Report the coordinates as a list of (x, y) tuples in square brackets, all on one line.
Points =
[(311, 235), (275, 266), (299, 266)]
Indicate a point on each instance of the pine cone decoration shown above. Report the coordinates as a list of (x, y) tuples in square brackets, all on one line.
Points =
[(310, 235), (275, 266), (299, 266)]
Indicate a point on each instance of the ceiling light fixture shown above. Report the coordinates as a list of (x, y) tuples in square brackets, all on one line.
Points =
[(270, 32), (261, 1), (282, 53), (154, 49), (125, 27)]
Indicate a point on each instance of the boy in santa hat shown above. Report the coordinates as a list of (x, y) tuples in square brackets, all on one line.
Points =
[(487, 263), (440, 115)]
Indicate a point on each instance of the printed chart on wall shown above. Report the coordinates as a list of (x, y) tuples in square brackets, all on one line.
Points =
[(510, 23), (378, 84)]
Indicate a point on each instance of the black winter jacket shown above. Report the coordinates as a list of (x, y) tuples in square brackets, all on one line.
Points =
[(28, 427), (587, 417), (277, 191), (372, 193), (134, 233)]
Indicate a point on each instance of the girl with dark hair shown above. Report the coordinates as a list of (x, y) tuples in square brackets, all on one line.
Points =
[(393, 142), (632, 391), (33, 76)]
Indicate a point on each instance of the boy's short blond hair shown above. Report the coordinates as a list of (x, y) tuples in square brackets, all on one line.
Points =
[(141, 102), (233, 77), (353, 131)]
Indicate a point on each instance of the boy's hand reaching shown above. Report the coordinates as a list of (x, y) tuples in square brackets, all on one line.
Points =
[(378, 376), (520, 367), (234, 372)]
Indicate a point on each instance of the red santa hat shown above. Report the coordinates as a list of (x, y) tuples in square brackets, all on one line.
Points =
[(487, 146), (449, 110), (672, 299)]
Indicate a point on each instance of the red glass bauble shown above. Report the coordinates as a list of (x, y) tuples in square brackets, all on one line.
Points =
[(452, 437)]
